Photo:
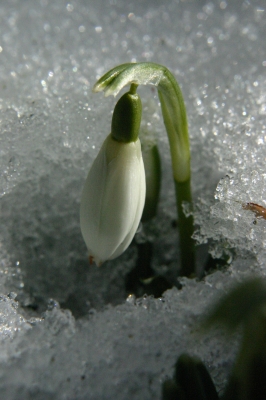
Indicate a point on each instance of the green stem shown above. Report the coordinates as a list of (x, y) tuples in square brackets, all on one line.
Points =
[(185, 225), (133, 88), (175, 120)]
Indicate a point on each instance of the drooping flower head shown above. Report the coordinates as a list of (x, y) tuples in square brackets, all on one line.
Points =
[(114, 192)]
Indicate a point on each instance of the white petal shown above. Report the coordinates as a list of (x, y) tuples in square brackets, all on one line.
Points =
[(140, 205), (113, 199), (92, 195)]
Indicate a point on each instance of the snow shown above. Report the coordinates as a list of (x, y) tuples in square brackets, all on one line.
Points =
[(70, 330)]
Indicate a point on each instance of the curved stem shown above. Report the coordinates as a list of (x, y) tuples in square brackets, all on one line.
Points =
[(172, 103), (175, 120)]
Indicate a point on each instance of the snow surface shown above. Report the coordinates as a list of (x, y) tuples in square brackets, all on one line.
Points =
[(110, 346)]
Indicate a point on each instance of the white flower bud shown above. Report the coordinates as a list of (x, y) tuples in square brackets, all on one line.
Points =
[(113, 199)]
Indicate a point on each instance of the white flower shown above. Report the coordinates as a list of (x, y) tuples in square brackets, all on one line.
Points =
[(113, 199)]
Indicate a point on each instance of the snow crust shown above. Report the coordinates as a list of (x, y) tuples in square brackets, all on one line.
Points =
[(69, 330)]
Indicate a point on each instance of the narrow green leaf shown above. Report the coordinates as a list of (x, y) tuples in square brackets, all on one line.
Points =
[(239, 304), (192, 376), (171, 391)]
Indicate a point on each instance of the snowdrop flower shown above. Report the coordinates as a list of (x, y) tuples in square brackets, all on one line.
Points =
[(175, 121), (114, 193)]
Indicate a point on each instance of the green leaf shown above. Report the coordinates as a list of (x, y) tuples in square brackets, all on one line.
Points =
[(239, 304), (171, 391), (192, 376)]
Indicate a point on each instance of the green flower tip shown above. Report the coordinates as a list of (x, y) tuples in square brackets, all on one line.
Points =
[(127, 117)]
